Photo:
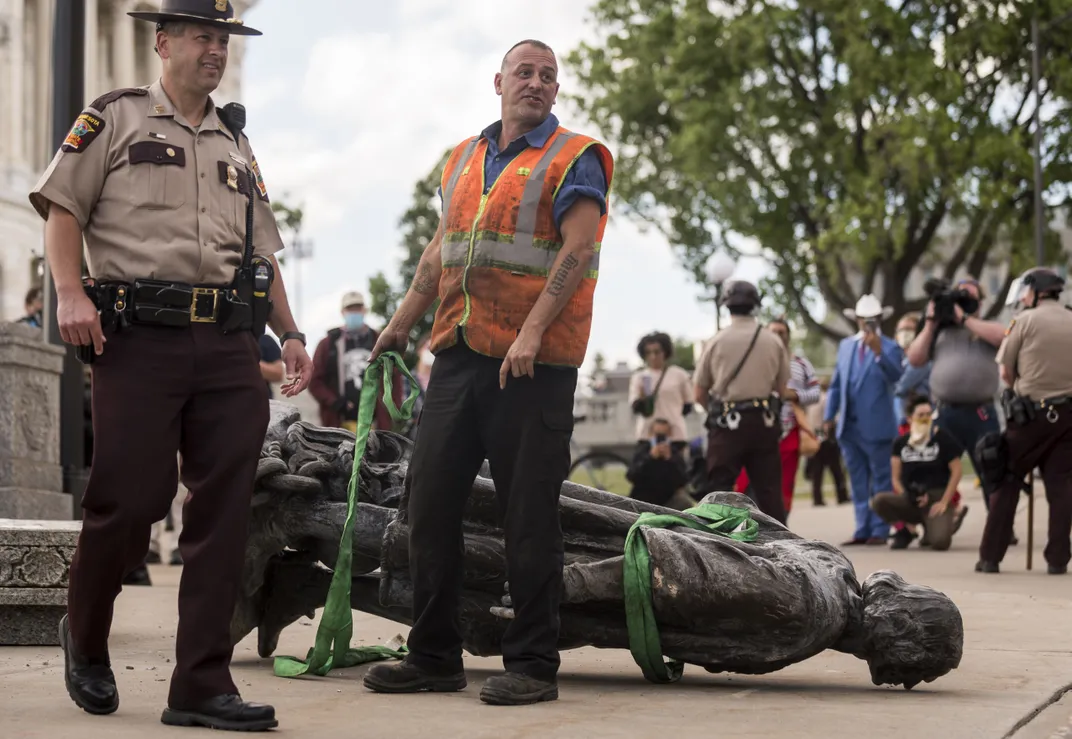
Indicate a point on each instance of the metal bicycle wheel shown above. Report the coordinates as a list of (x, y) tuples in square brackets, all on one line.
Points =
[(601, 470)]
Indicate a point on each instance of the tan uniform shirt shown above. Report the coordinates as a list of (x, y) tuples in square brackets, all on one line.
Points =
[(156, 197), (765, 372), (1036, 350)]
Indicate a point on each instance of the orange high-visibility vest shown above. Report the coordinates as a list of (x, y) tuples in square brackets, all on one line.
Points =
[(498, 250)]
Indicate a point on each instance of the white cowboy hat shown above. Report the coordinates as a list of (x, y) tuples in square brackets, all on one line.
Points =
[(867, 307)]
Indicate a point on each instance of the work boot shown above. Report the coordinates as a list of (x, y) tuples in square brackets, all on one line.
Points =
[(404, 677), (515, 689), (90, 683), (902, 538), (152, 558), (983, 566), (176, 559), (1057, 569), (224, 713)]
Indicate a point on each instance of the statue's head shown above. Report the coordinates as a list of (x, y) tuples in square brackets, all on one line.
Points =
[(911, 633)]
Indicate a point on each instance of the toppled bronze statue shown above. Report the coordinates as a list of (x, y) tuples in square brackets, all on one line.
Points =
[(724, 605)]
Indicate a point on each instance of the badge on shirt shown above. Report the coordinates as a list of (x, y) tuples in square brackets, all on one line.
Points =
[(86, 128), (260, 181), (232, 178)]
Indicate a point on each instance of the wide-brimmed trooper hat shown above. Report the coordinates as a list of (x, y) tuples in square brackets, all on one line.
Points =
[(868, 306), (218, 13)]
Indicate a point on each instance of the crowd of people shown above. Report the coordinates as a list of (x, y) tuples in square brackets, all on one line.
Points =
[(902, 413)]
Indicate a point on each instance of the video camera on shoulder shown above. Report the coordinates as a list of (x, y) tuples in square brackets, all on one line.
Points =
[(945, 298)]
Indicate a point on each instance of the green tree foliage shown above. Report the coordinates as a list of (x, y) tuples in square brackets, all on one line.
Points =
[(684, 355), (838, 136), (418, 225), (289, 220)]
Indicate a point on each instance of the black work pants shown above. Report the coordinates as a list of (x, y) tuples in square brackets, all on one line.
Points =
[(828, 457), (524, 432), (753, 446), (1048, 446), (158, 391)]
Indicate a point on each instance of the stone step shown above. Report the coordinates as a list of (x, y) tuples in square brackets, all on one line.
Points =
[(35, 562)]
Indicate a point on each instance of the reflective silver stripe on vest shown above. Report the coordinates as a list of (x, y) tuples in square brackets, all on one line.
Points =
[(525, 230), (488, 253), (463, 162)]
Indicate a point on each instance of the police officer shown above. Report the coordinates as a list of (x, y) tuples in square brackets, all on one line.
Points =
[(1033, 361), (740, 377), (514, 263), (157, 181)]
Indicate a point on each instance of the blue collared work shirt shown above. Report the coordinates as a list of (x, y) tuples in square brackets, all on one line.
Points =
[(584, 179)]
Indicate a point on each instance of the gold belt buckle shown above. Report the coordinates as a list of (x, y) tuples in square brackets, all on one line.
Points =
[(199, 291)]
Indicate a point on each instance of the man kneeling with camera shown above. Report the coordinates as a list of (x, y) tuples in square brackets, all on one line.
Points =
[(658, 471), (926, 471), (964, 374)]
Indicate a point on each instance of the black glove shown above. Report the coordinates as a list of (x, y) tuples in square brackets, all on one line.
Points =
[(687, 409)]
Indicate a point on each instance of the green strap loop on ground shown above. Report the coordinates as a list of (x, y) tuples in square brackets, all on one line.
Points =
[(644, 644), (332, 648)]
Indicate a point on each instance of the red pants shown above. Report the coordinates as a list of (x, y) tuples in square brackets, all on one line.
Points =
[(790, 450)]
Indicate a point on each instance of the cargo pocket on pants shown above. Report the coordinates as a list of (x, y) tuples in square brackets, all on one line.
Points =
[(557, 431)]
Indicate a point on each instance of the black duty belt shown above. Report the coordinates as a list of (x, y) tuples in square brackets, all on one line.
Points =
[(161, 303), (727, 413)]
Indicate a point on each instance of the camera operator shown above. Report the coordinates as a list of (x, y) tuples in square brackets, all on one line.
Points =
[(962, 349)]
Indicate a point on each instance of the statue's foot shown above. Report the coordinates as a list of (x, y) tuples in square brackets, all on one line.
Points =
[(403, 677), (514, 689)]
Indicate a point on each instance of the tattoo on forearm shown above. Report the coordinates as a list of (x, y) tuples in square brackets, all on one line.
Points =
[(424, 282), (558, 282)]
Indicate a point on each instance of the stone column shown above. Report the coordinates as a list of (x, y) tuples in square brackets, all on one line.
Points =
[(123, 46), (31, 479)]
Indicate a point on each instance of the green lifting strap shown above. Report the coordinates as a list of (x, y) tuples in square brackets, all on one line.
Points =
[(644, 644), (332, 648)]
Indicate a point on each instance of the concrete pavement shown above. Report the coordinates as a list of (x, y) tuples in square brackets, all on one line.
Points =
[(1017, 657)]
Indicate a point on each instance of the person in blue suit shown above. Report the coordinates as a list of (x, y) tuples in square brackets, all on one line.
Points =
[(861, 395)]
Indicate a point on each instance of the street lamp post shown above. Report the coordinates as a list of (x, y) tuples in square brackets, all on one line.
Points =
[(68, 91), (1037, 35), (300, 250), (719, 269)]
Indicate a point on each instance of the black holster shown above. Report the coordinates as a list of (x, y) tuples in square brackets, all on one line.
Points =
[(1017, 409), (992, 452)]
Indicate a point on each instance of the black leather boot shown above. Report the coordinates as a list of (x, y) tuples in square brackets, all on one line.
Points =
[(224, 713), (515, 689), (404, 677), (90, 683)]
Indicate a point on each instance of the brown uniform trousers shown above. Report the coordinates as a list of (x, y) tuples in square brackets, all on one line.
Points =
[(754, 446), (1048, 446), (158, 391), (894, 508)]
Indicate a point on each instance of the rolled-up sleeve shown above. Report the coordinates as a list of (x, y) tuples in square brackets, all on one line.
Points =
[(585, 179)]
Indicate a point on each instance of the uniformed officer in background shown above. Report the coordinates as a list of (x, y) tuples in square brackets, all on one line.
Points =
[(157, 181), (740, 377), (1034, 363)]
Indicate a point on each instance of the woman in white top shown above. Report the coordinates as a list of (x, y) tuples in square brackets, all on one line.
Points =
[(660, 390)]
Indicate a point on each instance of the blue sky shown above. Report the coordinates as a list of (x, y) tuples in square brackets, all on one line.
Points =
[(353, 103)]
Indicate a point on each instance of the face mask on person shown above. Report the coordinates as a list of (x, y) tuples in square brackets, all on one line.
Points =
[(353, 321), (427, 357), (920, 431), (905, 338)]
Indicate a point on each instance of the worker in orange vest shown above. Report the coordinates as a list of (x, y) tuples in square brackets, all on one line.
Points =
[(514, 263)]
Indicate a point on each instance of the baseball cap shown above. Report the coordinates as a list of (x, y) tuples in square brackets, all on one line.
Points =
[(352, 298)]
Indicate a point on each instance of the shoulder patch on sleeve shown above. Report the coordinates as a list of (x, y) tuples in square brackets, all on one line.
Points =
[(86, 128), (110, 97), (260, 180), (1009, 329)]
